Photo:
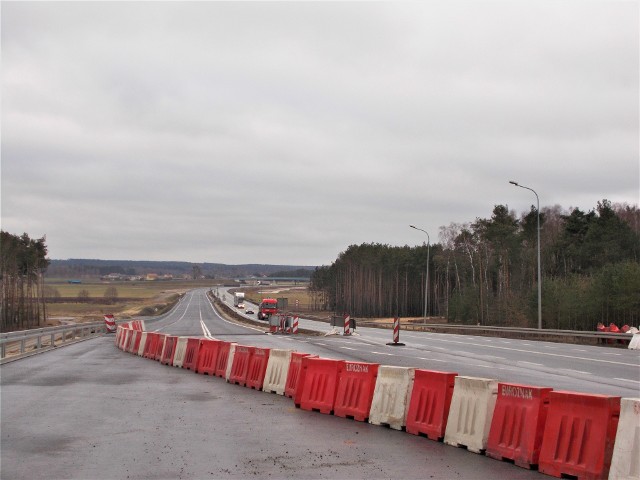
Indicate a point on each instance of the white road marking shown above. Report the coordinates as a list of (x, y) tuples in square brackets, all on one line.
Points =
[(548, 354), (429, 359), (383, 353), (627, 380), (227, 321), (530, 363), (569, 370), (348, 348), (185, 312)]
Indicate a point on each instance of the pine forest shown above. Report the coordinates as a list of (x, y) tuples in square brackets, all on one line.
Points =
[(485, 272)]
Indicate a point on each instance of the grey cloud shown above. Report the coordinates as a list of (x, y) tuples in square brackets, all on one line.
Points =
[(277, 132)]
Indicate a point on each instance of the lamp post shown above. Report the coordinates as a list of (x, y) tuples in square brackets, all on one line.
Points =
[(539, 274), (426, 281)]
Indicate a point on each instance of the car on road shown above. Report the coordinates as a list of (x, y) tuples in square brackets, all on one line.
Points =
[(248, 311)]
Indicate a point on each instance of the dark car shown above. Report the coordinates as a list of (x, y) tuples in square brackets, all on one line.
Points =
[(248, 311)]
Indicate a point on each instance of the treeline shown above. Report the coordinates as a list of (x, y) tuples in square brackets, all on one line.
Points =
[(486, 271), (83, 268), (22, 265), (297, 273)]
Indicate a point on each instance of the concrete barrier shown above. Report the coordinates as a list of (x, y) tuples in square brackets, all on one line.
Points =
[(625, 463), (181, 349), (391, 396), (275, 378), (471, 413)]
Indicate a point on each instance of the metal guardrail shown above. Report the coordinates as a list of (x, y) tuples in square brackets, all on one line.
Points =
[(529, 332), (26, 342), (14, 345)]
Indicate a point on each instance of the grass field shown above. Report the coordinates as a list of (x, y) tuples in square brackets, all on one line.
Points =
[(133, 298)]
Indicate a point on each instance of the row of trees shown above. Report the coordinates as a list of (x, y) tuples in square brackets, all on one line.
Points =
[(22, 265), (486, 271)]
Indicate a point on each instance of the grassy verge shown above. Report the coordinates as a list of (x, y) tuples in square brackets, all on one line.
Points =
[(87, 302)]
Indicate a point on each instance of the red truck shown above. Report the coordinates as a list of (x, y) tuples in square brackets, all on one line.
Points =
[(268, 307)]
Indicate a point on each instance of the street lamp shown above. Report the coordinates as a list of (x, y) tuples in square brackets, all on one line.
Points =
[(539, 275), (426, 281)]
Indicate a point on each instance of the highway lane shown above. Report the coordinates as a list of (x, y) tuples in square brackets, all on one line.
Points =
[(91, 411), (581, 368)]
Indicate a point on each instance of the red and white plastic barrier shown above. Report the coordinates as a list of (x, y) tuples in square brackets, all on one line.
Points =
[(275, 377), (295, 374), (471, 412), (319, 384), (579, 435), (208, 356), (430, 403), (518, 424), (625, 464), (355, 390), (563, 433), (391, 396), (180, 351), (257, 368), (110, 323), (143, 341)]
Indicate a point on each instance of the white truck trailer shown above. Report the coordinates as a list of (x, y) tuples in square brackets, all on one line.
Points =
[(238, 299)]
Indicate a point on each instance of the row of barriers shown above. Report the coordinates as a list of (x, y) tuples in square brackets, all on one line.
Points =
[(284, 323), (560, 433)]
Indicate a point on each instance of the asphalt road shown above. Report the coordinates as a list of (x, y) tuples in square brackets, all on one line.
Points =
[(91, 411), (581, 368)]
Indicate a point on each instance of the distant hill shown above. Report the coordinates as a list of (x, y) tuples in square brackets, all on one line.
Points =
[(76, 267)]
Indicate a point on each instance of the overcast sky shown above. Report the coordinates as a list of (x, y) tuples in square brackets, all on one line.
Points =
[(283, 132)]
